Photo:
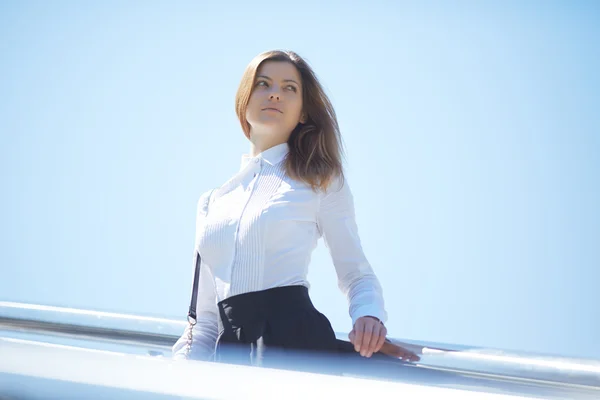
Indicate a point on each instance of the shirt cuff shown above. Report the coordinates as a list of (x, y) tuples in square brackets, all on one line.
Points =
[(369, 310)]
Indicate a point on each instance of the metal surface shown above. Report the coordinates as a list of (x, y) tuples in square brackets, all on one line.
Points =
[(37, 333)]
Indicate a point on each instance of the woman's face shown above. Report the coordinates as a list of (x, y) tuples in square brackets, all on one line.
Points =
[(275, 105)]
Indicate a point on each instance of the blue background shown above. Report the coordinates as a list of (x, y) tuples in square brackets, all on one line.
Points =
[(472, 137)]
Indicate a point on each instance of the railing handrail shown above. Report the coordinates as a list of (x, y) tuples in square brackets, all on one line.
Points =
[(155, 332), (83, 369)]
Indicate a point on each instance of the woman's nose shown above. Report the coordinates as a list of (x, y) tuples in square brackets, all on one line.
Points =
[(274, 93)]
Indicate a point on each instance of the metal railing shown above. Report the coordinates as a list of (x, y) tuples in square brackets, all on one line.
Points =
[(445, 366)]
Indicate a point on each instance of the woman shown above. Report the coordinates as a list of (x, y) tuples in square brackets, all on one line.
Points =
[(255, 234)]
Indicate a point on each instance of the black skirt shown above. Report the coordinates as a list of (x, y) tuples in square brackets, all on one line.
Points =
[(279, 328)]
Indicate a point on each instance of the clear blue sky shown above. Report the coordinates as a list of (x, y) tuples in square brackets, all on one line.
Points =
[(472, 132)]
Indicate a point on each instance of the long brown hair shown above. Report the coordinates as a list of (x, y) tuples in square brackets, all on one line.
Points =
[(316, 148)]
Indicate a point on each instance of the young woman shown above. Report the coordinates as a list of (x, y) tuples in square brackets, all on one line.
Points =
[(255, 234)]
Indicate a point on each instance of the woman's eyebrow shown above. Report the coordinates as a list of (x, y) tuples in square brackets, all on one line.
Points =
[(285, 80)]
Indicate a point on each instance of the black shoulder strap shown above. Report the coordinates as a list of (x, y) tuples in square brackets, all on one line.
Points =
[(198, 261), (192, 312)]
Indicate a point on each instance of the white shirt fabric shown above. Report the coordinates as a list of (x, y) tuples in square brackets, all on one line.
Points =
[(258, 231)]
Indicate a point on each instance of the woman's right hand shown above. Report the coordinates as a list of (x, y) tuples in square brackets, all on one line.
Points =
[(394, 350)]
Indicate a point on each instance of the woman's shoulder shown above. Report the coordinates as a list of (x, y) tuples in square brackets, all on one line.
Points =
[(336, 184), (204, 200)]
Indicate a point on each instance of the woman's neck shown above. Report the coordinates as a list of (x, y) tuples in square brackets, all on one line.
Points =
[(257, 147)]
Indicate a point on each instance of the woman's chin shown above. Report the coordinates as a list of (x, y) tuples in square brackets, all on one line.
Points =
[(269, 127)]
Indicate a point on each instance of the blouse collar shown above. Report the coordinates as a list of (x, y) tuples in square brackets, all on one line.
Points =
[(273, 155)]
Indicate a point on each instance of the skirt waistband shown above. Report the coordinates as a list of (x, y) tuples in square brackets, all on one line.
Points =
[(265, 304)]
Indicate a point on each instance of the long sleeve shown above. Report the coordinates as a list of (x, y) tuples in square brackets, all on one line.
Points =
[(205, 331), (356, 279)]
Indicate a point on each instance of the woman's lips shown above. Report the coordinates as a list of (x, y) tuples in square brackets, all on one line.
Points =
[(272, 109)]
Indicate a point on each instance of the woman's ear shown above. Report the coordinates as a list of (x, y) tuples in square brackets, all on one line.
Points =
[(303, 118)]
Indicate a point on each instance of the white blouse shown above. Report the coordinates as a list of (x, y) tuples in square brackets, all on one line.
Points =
[(258, 231)]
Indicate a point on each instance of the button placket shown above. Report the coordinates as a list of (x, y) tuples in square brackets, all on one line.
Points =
[(249, 189)]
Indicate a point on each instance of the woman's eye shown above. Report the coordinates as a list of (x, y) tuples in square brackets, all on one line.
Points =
[(259, 82), (293, 87)]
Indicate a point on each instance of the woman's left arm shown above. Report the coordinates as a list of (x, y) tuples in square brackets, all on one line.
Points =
[(356, 279)]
